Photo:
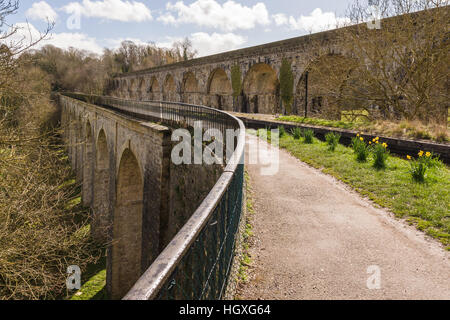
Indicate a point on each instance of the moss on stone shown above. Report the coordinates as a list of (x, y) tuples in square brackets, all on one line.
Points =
[(236, 82), (287, 85)]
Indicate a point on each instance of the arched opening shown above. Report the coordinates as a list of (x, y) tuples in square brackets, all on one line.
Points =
[(72, 140), (154, 90), (132, 90), (79, 148), (319, 90), (101, 219), (170, 89), (220, 91), (88, 168), (141, 94), (261, 90), (190, 93), (127, 230), (124, 89)]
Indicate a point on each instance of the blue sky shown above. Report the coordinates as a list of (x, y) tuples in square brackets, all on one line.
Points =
[(212, 25)]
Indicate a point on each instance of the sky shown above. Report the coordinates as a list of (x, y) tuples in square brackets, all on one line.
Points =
[(213, 26)]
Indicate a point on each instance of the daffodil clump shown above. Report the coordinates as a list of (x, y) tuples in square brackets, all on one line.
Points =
[(424, 161), (361, 148), (380, 153)]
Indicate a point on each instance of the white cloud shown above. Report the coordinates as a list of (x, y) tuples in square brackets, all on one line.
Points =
[(317, 21), (27, 33), (124, 11), (209, 13), (208, 44), (41, 11)]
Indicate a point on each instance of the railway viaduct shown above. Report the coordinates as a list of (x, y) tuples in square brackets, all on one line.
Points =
[(246, 80)]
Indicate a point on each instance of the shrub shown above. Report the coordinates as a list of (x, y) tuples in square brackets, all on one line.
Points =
[(361, 149), (332, 140), (380, 155), (309, 135), (297, 133)]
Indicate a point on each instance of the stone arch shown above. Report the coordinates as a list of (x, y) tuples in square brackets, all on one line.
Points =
[(261, 90), (102, 183), (154, 90), (189, 88), (88, 168), (133, 88), (72, 139), (169, 89), (220, 91), (79, 148), (127, 229), (321, 84), (124, 89), (141, 94)]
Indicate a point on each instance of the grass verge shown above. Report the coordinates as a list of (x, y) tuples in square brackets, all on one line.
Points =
[(426, 205)]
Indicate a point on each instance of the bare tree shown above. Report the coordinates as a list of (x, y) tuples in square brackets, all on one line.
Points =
[(42, 229), (399, 70), (185, 49)]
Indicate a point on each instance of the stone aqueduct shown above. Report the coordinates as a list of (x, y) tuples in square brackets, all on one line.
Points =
[(139, 198), (255, 88)]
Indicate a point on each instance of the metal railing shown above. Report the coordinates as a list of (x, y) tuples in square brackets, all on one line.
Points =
[(197, 263)]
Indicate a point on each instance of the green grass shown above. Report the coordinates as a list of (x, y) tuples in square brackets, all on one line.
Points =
[(321, 122), (427, 205), (94, 287)]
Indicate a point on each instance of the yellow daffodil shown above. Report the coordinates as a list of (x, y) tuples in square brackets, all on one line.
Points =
[(362, 139), (377, 138), (370, 142), (377, 142), (421, 153), (408, 157), (428, 154), (385, 145), (358, 135)]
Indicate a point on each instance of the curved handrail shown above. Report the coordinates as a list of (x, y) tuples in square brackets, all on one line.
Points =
[(152, 281), (155, 278)]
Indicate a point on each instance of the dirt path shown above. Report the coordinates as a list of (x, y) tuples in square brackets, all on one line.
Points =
[(315, 239)]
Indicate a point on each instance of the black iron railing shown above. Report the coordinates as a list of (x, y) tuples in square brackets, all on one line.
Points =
[(197, 262)]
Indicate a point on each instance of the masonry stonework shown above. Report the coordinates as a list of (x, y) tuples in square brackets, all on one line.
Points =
[(139, 198)]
